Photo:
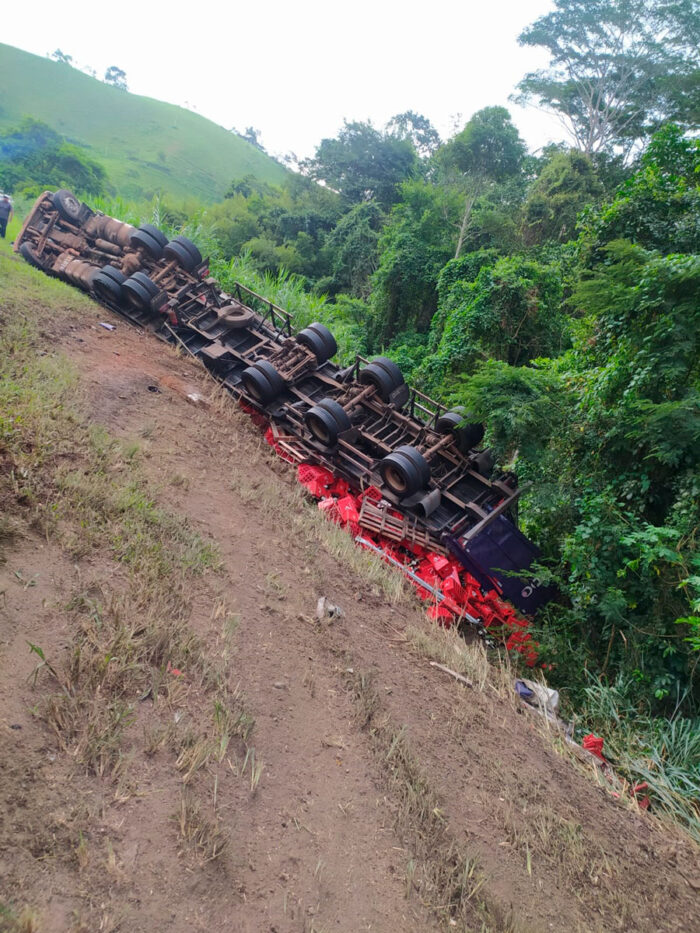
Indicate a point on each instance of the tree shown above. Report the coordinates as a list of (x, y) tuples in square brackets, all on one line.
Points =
[(352, 250), (658, 207), (415, 244), (510, 311), (33, 155), (566, 185), (618, 68), (61, 57), (252, 136), (116, 77), (489, 149), (418, 129), (362, 163), (609, 433)]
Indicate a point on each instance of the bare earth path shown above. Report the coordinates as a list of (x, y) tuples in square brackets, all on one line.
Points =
[(355, 734)]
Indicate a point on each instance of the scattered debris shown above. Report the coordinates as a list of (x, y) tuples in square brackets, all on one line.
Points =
[(448, 670), (325, 610), (538, 695), (108, 326), (196, 399)]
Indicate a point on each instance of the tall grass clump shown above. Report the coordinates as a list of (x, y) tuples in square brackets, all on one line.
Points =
[(664, 753)]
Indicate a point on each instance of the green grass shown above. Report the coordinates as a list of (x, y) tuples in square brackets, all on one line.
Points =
[(146, 146)]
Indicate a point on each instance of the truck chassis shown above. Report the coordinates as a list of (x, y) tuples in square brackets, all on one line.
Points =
[(363, 422)]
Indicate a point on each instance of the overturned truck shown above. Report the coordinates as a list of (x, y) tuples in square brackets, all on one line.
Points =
[(438, 484)]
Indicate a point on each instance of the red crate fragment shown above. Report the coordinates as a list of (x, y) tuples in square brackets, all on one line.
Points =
[(277, 447)]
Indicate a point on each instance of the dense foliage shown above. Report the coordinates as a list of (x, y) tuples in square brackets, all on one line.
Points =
[(33, 156)]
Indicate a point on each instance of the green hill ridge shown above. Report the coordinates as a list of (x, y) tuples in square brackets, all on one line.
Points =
[(146, 145)]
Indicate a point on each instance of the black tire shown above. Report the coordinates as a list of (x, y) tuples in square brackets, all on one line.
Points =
[(106, 289), (467, 434), (319, 340), (384, 375), (140, 290), (116, 275), (189, 246), (184, 252), (27, 253), (141, 239), (405, 471), (67, 205), (175, 252), (154, 233), (326, 421), (262, 382), (485, 462), (236, 316)]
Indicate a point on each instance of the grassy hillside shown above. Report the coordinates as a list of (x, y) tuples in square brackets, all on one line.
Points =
[(145, 145)]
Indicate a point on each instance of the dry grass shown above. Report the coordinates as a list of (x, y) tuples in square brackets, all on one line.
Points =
[(447, 647), (205, 837), (446, 877), (289, 506), (26, 920), (545, 838)]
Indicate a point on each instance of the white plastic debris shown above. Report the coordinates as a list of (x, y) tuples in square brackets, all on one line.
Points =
[(326, 610), (538, 695)]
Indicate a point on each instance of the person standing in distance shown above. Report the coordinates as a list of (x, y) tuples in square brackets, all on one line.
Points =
[(5, 214)]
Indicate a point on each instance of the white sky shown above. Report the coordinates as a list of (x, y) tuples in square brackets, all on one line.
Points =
[(295, 70)]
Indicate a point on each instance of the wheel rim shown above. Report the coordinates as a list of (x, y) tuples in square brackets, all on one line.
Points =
[(253, 389), (394, 479), (319, 430)]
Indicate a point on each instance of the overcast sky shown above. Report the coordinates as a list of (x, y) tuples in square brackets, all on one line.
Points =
[(296, 70)]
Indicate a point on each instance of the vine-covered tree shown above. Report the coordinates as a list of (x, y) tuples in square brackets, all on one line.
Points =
[(610, 435), (567, 183), (488, 150), (617, 68), (415, 244)]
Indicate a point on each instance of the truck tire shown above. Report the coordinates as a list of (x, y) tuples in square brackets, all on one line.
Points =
[(154, 233), (141, 290), (319, 340), (466, 434), (27, 253), (184, 252), (236, 316), (107, 284), (384, 375), (262, 382), (326, 421), (405, 471), (142, 239), (67, 205)]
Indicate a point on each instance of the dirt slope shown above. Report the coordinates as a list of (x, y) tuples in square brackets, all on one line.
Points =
[(372, 792)]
